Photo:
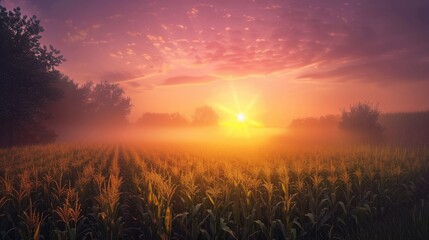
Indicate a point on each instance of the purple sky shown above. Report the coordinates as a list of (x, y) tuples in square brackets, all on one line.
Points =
[(300, 58)]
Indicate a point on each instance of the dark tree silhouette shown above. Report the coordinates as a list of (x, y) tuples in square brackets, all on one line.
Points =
[(108, 104), (361, 120), (72, 108), (27, 71), (88, 105), (205, 116)]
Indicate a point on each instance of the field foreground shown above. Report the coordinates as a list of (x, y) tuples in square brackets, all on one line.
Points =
[(159, 192)]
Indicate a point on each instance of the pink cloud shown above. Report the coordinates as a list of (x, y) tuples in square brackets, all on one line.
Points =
[(188, 80)]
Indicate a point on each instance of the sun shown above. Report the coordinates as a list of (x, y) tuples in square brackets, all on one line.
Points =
[(241, 117)]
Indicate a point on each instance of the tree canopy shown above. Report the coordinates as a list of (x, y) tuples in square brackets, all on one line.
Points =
[(107, 102), (88, 105), (361, 119), (205, 116), (27, 74), (72, 107)]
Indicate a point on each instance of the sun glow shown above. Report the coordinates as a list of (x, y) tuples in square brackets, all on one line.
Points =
[(241, 117)]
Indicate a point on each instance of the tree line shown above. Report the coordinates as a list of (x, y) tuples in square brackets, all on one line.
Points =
[(364, 122), (34, 94)]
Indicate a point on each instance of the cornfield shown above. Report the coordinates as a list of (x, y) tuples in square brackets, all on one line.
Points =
[(201, 192)]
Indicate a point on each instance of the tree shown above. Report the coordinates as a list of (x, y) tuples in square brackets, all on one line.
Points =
[(87, 106), (27, 71), (361, 120), (108, 104), (205, 116), (72, 108)]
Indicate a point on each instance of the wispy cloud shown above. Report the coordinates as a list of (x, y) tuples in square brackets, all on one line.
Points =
[(79, 34), (188, 80)]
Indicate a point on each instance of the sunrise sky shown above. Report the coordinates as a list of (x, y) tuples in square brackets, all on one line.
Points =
[(290, 58)]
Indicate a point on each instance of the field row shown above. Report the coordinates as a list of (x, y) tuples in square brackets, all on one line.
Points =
[(156, 192)]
